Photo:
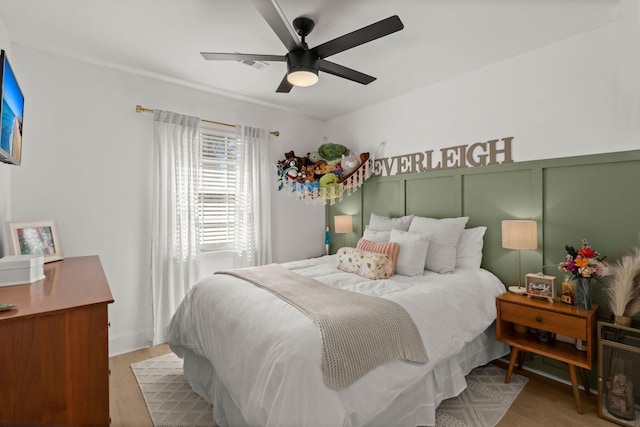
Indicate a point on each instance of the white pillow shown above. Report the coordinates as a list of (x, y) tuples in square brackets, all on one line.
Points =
[(384, 223), (469, 253), (412, 253), (375, 235), (443, 235)]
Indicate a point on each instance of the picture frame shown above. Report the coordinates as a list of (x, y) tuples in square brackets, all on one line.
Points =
[(568, 291), (539, 285), (36, 237)]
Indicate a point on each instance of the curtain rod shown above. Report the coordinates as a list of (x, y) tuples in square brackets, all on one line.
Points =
[(141, 109)]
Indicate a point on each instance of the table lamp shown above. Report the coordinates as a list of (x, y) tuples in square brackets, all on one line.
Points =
[(519, 235), (343, 224)]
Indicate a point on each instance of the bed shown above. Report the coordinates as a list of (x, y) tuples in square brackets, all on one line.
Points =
[(258, 359)]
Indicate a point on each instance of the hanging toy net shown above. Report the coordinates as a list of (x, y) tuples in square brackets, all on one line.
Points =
[(324, 176)]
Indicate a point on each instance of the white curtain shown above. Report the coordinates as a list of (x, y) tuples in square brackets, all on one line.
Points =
[(252, 242), (175, 243)]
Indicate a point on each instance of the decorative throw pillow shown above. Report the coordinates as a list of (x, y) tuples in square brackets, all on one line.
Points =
[(385, 248), (384, 223), (376, 235), (469, 252), (443, 235), (366, 264), (412, 253)]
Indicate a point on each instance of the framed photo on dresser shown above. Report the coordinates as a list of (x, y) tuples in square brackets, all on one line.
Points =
[(37, 237)]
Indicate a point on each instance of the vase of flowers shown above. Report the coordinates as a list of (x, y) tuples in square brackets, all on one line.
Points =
[(583, 292), (583, 264)]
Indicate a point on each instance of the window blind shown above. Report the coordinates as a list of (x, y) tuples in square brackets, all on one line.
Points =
[(217, 198)]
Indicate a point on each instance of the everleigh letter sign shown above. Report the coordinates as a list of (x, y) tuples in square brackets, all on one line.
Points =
[(491, 152)]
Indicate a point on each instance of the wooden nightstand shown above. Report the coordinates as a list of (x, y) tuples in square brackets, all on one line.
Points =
[(555, 317)]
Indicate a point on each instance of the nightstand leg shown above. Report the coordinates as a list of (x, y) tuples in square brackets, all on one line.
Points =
[(512, 361), (585, 381), (521, 359), (576, 390)]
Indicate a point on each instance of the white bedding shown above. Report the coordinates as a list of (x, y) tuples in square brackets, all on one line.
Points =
[(267, 354)]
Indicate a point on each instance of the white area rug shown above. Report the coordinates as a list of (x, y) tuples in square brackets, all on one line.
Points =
[(170, 399), (485, 400), (172, 403)]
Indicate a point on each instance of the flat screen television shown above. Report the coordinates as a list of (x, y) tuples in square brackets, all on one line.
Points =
[(12, 110)]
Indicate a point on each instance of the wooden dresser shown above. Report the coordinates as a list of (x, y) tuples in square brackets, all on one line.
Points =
[(54, 356)]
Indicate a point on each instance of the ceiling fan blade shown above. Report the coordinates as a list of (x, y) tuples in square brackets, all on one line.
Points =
[(358, 37), (285, 86), (241, 57), (344, 72), (271, 13)]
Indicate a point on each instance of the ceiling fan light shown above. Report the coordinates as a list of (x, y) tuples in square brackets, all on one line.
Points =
[(302, 78)]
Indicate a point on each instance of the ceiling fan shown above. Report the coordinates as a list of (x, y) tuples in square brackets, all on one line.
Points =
[(303, 63)]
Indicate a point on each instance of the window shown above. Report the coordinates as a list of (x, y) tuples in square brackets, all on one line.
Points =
[(217, 199)]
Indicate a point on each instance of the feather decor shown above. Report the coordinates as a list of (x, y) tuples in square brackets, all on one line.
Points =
[(623, 290)]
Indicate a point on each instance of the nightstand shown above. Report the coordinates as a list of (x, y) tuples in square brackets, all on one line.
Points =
[(555, 317)]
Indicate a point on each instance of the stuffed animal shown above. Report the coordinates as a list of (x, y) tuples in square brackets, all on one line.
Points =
[(291, 172), (364, 158), (327, 182), (291, 156), (311, 187), (287, 171), (350, 163), (289, 168), (307, 174), (292, 164), (314, 157), (332, 153), (322, 168)]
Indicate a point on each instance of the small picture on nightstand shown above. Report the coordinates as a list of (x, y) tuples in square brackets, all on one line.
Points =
[(539, 285), (568, 293)]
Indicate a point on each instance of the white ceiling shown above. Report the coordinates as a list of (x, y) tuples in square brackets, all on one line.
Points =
[(441, 39)]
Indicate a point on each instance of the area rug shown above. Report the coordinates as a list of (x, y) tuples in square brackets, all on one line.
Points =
[(172, 402)]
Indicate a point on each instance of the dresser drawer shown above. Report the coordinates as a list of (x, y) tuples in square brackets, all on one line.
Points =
[(563, 324)]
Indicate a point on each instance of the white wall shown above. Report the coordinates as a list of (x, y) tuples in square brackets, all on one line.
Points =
[(5, 169), (578, 96), (87, 163)]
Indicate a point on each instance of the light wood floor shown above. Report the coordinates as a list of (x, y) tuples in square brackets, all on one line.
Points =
[(543, 402), (126, 403)]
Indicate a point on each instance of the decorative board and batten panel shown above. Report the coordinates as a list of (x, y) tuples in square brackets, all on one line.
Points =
[(384, 198), (598, 200), (436, 197), (491, 196), (595, 197)]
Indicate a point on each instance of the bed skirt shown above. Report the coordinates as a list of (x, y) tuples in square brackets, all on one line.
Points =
[(416, 406)]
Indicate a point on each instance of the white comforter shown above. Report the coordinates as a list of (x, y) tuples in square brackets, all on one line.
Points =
[(268, 354)]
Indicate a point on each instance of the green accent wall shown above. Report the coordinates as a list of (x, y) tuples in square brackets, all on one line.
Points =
[(593, 197)]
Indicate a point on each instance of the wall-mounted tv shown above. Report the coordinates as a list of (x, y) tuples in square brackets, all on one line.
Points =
[(12, 110)]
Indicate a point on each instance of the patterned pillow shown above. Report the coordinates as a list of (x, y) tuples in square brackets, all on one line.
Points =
[(385, 248), (366, 264)]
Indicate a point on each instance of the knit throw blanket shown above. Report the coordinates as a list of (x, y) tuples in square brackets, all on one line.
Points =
[(359, 332)]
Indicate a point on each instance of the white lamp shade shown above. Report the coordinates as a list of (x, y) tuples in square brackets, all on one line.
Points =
[(519, 234), (343, 223)]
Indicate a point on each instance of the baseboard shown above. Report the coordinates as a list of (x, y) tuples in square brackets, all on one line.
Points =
[(505, 364), (129, 342)]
